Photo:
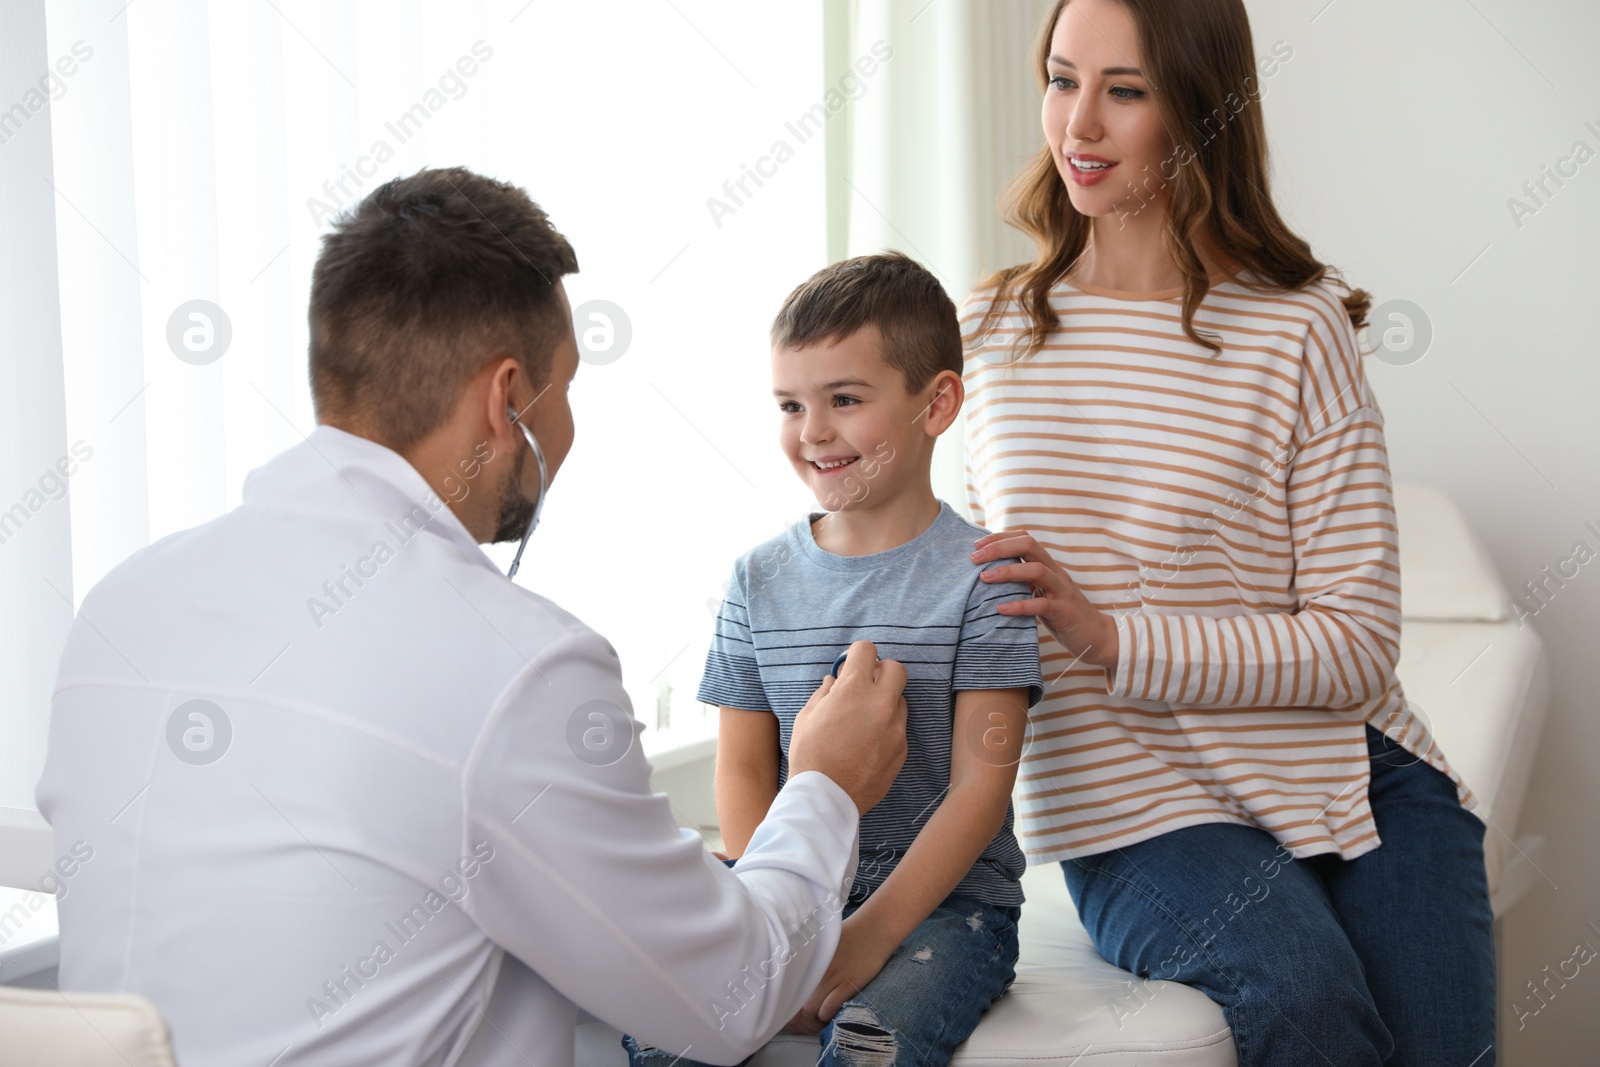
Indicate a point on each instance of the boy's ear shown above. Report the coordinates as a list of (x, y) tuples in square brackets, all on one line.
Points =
[(946, 393)]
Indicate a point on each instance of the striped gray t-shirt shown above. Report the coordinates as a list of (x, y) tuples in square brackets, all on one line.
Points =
[(792, 607)]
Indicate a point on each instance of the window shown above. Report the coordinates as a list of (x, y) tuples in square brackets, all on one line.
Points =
[(199, 152)]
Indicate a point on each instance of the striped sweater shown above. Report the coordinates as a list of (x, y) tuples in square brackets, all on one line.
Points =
[(1234, 512)]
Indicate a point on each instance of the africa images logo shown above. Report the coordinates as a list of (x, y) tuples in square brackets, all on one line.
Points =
[(199, 732)]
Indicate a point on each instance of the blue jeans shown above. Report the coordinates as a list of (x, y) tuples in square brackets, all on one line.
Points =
[(927, 999), (1386, 958)]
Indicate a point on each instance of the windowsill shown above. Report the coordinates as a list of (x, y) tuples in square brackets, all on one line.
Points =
[(26, 851), (33, 944), (676, 747)]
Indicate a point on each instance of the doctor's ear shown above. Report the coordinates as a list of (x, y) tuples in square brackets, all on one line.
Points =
[(501, 376)]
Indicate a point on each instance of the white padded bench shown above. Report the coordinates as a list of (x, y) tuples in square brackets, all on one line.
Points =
[(1067, 1006), (1480, 680)]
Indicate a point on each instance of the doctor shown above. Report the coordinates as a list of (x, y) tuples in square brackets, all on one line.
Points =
[(353, 797)]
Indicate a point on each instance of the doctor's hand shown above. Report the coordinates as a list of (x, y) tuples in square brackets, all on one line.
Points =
[(857, 961), (853, 729), (1080, 627)]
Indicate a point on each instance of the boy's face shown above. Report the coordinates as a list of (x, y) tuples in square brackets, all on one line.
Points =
[(849, 427)]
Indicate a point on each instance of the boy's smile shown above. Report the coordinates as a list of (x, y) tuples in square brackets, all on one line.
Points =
[(832, 464)]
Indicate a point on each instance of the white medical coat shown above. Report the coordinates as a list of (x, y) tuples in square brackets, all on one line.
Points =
[(351, 796)]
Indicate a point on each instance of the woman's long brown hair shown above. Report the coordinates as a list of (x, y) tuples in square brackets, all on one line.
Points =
[(1198, 57)]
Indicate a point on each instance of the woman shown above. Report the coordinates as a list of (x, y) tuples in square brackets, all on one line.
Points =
[(1169, 424)]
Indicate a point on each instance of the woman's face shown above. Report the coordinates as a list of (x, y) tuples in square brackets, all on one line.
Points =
[(1098, 109)]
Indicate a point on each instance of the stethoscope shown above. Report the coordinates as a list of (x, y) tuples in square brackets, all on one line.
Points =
[(538, 505)]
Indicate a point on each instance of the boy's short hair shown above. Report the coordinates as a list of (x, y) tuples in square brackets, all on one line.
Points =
[(418, 286), (892, 291)]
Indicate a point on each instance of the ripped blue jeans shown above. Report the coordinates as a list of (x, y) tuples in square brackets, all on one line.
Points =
[(927, 999)]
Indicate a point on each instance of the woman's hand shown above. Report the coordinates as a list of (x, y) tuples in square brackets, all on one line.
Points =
[(856, 961), (1082, 629)]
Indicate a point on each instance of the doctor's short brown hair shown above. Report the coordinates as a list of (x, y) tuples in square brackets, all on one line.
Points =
[(419, 285), (902, 298)]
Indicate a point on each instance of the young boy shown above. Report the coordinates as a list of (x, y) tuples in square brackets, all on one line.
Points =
[(866, 366)]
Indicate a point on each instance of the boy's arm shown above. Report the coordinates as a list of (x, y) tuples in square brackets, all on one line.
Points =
[(747, 774), (984, 751)]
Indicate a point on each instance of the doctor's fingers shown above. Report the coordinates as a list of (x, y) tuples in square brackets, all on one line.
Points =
[(861, 666), (835, 999), (890, 675), (812, 1012), (859, 658), (820, 691), (883, 697)]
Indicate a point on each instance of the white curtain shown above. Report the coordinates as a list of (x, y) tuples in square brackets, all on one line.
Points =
[(35, 513), (951, 118), (198, 151)]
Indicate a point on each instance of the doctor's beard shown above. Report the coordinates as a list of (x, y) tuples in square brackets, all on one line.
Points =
[(516, 510)]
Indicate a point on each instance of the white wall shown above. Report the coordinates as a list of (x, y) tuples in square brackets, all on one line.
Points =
[(1399, 133)]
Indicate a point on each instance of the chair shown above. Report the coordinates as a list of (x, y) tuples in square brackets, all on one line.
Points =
[(48, 1027)]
